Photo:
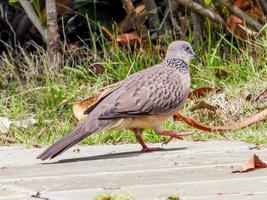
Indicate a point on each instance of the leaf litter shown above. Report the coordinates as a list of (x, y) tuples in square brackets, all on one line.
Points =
[(252, 164)]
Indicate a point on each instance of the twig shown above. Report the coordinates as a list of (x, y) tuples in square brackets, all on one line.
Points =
[(27, 6), (248, 20), (197, 30), (247, 122), (170, 7), (202, 11), (107, 32), (52, 34), (153, 18), (128, 6), (132, 16)]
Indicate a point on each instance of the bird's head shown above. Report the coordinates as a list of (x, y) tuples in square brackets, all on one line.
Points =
[(181, 50)]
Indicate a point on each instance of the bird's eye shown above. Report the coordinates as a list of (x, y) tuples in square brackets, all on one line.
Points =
[(187, 48)]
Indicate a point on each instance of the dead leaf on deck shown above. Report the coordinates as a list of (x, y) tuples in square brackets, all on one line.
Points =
[(200, 92), (126, 38), (252, 164)]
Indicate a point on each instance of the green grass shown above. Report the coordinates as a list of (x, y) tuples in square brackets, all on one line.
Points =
[(48, 96)]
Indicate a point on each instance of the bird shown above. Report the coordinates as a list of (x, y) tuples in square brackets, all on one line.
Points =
[(144, 100)]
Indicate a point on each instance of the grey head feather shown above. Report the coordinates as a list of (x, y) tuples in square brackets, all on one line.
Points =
[(178, 55), (180, 50)]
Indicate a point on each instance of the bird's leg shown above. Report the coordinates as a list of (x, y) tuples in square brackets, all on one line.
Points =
[(145, 148)]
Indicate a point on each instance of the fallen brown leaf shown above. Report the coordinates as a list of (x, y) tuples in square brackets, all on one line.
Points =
[(126, 38), (140, 8), (261, 97), (96, 68), (235, 24), (251, 164), (258, 98), (220, 73), (200, 92)]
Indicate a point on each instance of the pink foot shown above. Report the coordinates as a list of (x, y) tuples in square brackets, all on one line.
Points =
[(150, 149)]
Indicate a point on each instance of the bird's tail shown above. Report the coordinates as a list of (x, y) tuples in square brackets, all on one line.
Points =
[(84, 129)]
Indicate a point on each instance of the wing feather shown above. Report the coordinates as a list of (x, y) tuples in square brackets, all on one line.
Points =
[(158, 92)]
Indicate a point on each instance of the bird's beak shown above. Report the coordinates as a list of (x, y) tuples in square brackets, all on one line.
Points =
[(194, 56)]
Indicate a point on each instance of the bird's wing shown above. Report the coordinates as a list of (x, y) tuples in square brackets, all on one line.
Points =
[(102, 96), (152, 92)]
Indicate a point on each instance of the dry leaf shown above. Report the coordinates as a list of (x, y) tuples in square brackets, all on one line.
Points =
[(200, 92), (262, 97), (235, 20), (258, 98), (126, 38), (96, 68), (7, 139), (220, 73), (140, 8), (252, 164), (203, 105), (236, 25)]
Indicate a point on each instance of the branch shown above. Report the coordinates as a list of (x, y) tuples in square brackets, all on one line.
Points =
[(153, 18), (197, 30), (238, 12), (132, 16), (196, 7), (52, 33), (27, 6), (128, 6), (263, 5), (247, 122)]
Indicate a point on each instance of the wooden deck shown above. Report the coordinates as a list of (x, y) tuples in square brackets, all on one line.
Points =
[(199, 170)]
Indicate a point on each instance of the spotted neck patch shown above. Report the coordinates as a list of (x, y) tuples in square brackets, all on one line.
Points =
[(177, 63)]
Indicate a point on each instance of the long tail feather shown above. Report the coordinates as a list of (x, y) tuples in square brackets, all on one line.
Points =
[(72, 138)]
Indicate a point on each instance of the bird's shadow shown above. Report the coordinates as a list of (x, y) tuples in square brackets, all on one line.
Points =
[(109, 156)]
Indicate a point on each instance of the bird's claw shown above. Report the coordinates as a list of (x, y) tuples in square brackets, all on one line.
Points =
[(177, 135), (167, 141)]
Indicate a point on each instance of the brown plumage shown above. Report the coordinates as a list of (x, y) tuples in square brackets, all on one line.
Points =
[(143, 100)]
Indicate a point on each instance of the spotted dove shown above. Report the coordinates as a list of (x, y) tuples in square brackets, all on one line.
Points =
[(144, 100)]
